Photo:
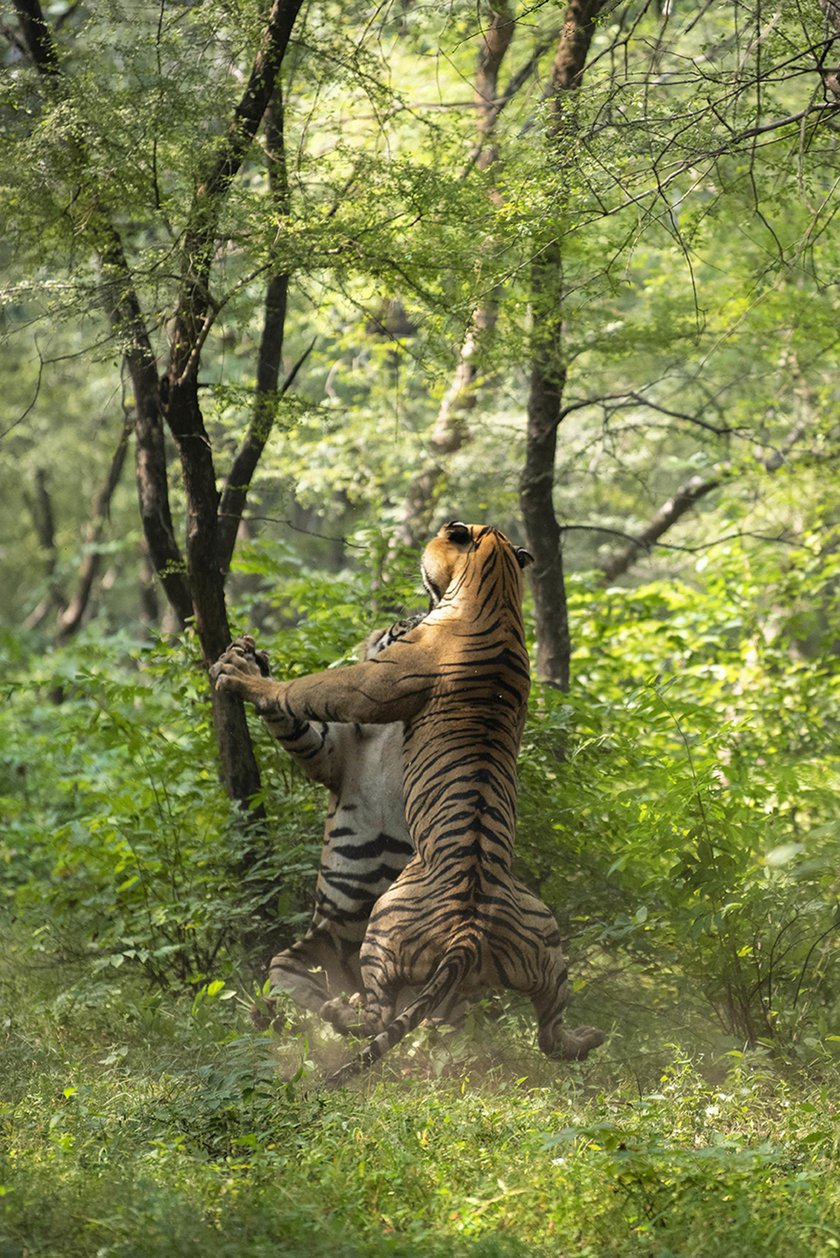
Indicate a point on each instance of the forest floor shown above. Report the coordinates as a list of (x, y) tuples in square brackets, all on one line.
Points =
[(137, 1123)]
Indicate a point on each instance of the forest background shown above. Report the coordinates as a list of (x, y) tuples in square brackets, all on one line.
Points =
[(327, 275)]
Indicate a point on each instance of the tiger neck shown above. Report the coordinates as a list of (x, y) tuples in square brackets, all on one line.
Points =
[(465, 596)]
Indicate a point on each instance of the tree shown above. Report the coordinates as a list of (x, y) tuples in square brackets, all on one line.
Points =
[(548, 368), (568, 140), (195, 587)]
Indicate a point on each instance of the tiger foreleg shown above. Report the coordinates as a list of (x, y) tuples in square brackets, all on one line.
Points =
[(376, 692), (236, 672), (242, 656)]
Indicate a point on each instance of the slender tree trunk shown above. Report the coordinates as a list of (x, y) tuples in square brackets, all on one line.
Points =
[(37, 36), (40, 507), (270, 355), (147, 591), (211, 535), (548, 375), (71, 609), (239, 769), (536, 490)]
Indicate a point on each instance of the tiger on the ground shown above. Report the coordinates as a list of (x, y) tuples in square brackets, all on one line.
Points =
[(366, 841)]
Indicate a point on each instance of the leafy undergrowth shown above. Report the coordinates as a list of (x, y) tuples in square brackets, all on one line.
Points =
[(136, 1125)]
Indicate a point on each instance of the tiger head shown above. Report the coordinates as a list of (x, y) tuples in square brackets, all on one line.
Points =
[(447, 554)]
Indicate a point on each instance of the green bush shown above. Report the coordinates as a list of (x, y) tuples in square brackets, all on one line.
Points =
[(681, 803)]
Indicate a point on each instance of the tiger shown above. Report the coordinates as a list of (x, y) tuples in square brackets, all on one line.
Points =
[(365, 845), (455, 920)]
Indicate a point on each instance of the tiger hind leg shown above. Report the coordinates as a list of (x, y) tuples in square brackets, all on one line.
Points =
[(549, 1004), (361, 1014), (542, 974), (311, 971), (380, 999), (572, 1045)]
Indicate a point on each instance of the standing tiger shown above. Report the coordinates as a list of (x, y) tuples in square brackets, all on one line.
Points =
[(366, 841), (455, 920)]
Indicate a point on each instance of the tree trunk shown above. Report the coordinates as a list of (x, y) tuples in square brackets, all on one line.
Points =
[(70, 619), (548, 376), (239, 770), (40, 507), (536, 491)]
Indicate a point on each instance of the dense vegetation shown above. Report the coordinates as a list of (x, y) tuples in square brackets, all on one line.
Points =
[(571, 271)]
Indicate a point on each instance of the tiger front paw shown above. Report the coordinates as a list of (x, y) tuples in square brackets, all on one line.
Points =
[(244, 656), (243, 670)]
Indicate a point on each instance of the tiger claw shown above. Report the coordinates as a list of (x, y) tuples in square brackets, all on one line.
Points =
[(241, 659)]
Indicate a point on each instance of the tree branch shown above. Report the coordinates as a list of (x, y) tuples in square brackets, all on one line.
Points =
[(191, 315), (830, 73), (235, 492), (688, 494), (686, 497), (71, 618)]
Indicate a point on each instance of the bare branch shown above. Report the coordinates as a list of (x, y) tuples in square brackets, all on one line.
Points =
[(266, 397), (620, 401), (28, 409), (685, 498), (71, 618), (193, 313)]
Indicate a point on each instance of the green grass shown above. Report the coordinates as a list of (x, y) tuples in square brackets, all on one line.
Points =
[(135, 1125)]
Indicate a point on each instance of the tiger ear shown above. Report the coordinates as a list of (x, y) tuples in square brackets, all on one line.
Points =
[(523, 557), (458, 532)]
